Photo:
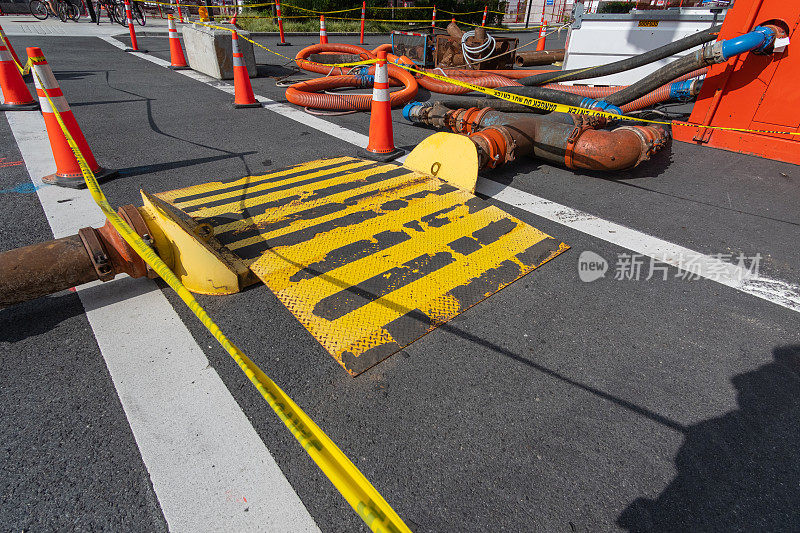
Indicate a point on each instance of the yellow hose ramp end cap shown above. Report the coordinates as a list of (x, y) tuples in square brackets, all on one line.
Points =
[(190, 250), (450, 157)]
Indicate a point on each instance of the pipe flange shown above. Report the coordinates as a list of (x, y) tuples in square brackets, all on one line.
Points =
[(133, 217), (456, 120), (569, 147), (511, 145), (97, 253), (475, 118), (651, 143)]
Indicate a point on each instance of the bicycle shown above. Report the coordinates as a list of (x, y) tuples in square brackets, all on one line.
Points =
[(64, 10), (108, 5), (136, 12)]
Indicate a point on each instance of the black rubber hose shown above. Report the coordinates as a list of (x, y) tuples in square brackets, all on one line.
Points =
[(629, 63), (684, 65), (543, 93), (456, 102)]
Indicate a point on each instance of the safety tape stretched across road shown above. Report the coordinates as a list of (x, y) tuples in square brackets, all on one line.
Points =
[(563, 108), (535, 103), (345, 476)]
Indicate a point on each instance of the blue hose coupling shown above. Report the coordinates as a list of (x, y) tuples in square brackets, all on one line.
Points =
[(591, 103), (365, 80), (411, 110), (681, 90), (756, 41), (363, 70)]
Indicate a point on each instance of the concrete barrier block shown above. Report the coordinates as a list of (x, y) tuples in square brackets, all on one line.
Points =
[(210, 51)]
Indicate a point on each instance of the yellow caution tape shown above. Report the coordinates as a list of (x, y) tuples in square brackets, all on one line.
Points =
[(319, 12), (527, 100), (348, 480), (563, 108), (329, 65), (171, 4)]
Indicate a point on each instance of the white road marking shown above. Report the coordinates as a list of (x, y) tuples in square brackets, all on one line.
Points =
[(773, 290), (709, 267), (209, 468), (288, 111)]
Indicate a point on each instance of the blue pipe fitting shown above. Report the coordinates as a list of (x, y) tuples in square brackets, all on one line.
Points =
[(591, 103), (410, 111), (365, 80), (757, 41), (363, 70), (681, 90)]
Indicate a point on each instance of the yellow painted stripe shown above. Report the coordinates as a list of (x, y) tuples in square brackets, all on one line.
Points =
[(434, 285), (305, 294), (411, 183), (170, 196), (429, 241), (304, 254), (196, 207)]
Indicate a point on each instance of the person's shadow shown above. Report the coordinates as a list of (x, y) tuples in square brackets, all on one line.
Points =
[(741, 471)]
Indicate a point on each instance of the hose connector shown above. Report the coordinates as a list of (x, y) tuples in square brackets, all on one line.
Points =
[(591, 103), (365, 80), (681, 90), (411, 111)]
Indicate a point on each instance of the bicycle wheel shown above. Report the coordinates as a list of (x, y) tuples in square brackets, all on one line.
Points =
[(109, 11), (138, 14), (38, 9), (62, 11), (74, 12), (119, 14)]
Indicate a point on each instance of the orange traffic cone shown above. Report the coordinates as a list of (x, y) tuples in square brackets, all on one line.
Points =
[(68, 172), (131, 30), (176, 58), (243, 91), (323, 35), (16, 96), (4, 39), (381, 138), (542, 34)]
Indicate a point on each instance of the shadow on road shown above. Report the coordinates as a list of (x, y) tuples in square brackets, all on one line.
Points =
[(38, 316), (740, 471)]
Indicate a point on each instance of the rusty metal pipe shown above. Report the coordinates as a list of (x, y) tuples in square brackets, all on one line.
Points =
[(542, 57), (41, 269), (93, 254), (619, 149), (560, 138), (574, 146)]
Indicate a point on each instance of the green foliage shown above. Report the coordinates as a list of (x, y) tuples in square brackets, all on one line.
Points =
[(616, 7), (421, 11)]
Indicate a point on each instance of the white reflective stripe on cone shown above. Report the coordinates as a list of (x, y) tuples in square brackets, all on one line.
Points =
[(381, 73), (380, 94), (60, 103), (44, 78), (238, 61), (235, 45)]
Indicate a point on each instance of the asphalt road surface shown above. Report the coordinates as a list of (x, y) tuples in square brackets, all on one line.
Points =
[(554, 405)]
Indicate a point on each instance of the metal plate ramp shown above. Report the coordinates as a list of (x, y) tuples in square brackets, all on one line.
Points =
[(368, 256)]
